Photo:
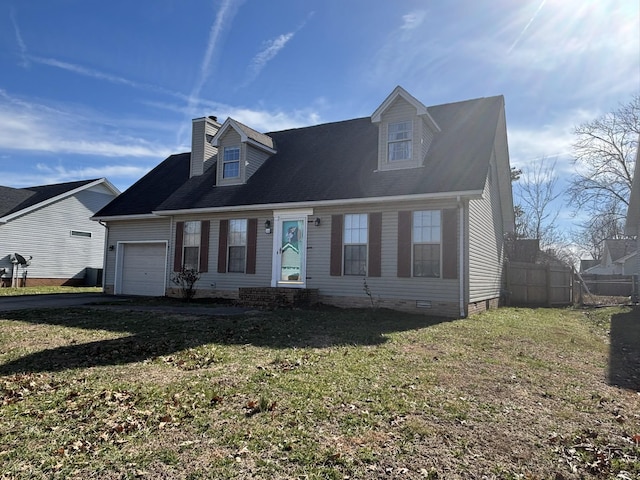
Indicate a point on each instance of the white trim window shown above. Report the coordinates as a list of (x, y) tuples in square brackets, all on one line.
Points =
[(191, 245), (356, 231), (231, 162), (237, 246), (426, 242), (399, 141)]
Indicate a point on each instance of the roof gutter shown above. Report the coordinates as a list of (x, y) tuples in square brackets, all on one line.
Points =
[(469, 194)]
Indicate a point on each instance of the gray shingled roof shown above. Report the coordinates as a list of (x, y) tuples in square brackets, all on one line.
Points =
[(333, 161), (621, 247), (146, 194), (13, 200)]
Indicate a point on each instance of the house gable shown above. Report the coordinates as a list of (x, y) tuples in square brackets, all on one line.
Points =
[(241, 152), (405, 131)]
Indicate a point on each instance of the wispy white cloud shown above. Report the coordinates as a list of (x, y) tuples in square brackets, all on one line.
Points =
[(24, 61), (413, 20), (270, 50), (526, 27), (122, 176), (37, 127), (223, 19)]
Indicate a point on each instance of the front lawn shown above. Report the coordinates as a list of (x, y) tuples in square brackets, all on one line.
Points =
[(513, 393)]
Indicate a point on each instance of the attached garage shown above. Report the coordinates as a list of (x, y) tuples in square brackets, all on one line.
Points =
[(141, 269)]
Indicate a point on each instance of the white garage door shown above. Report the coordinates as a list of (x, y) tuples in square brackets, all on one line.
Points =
[(143, 269)]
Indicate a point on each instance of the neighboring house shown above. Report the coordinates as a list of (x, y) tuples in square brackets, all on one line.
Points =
[(632, 227), (52, 226), (619, 257), (414, 200)]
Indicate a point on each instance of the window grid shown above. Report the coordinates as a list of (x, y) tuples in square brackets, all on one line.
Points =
[(426, 239), (237, 246), (191, 245), (355, 244), (399, 138), (231, 162)]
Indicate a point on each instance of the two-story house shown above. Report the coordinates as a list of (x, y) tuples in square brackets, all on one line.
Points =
[(413, 200)]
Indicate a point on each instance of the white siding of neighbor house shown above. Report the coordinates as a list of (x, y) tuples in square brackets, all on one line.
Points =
[(386, 287), (148, 230), (486, 243), (45, 234)]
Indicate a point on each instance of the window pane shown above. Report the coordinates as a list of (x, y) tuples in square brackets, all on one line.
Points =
[(426, 226), (238, 232), (355, 259), (231, 153), (399, 151), (426, 260), (237, 259), (191, 260), (231, 169)]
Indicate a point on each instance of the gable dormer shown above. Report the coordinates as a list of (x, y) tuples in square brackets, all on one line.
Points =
[(405, 131), (241, 151)]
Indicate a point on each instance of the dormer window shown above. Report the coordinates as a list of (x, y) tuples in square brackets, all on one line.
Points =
[(231, 162), (400, 138)]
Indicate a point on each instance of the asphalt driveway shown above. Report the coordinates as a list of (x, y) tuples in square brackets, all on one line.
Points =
[(60, 300)]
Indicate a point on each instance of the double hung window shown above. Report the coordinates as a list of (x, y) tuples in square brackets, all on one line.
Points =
[(426, 242), (237, 246), (355, 244), (191, 245), (399, 139), (231, 162)]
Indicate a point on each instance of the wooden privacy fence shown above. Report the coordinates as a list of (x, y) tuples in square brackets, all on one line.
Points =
[(533, 285), (610, 285)]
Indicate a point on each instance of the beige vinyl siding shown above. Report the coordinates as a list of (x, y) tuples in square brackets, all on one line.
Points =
[(399, 111), (485, 243), (212, 280), (255, 159), (149, 230), (231, 138), (388, 286), (427, 138), (202, 151), (45, 234)]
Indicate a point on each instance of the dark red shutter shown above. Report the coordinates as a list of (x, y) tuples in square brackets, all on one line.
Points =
[(222, 246), (450, 243), (205, 227), (404, 244), (252, 241), (335, 264), (375, 244), (177, 259)]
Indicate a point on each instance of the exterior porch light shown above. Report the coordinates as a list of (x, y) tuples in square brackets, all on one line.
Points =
[(317, 222), (267, 226)]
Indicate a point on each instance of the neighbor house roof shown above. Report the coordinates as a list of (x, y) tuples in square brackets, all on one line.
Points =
[(17, 201), (331, 162), (620, 247)]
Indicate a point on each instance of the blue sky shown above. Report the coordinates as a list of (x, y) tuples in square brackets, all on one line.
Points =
[(94, 89)]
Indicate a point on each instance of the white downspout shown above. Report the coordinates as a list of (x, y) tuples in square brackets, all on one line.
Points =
[(105, 253), (461, 259)]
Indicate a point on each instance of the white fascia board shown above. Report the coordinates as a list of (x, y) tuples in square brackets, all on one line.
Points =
[(51, 200), (260, 146), (113, 218), (469, 194)]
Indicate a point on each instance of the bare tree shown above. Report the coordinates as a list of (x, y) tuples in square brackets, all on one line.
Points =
[(536, 210), (604, 155)]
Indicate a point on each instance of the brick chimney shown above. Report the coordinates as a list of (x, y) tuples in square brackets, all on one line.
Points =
[(202, 131)]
